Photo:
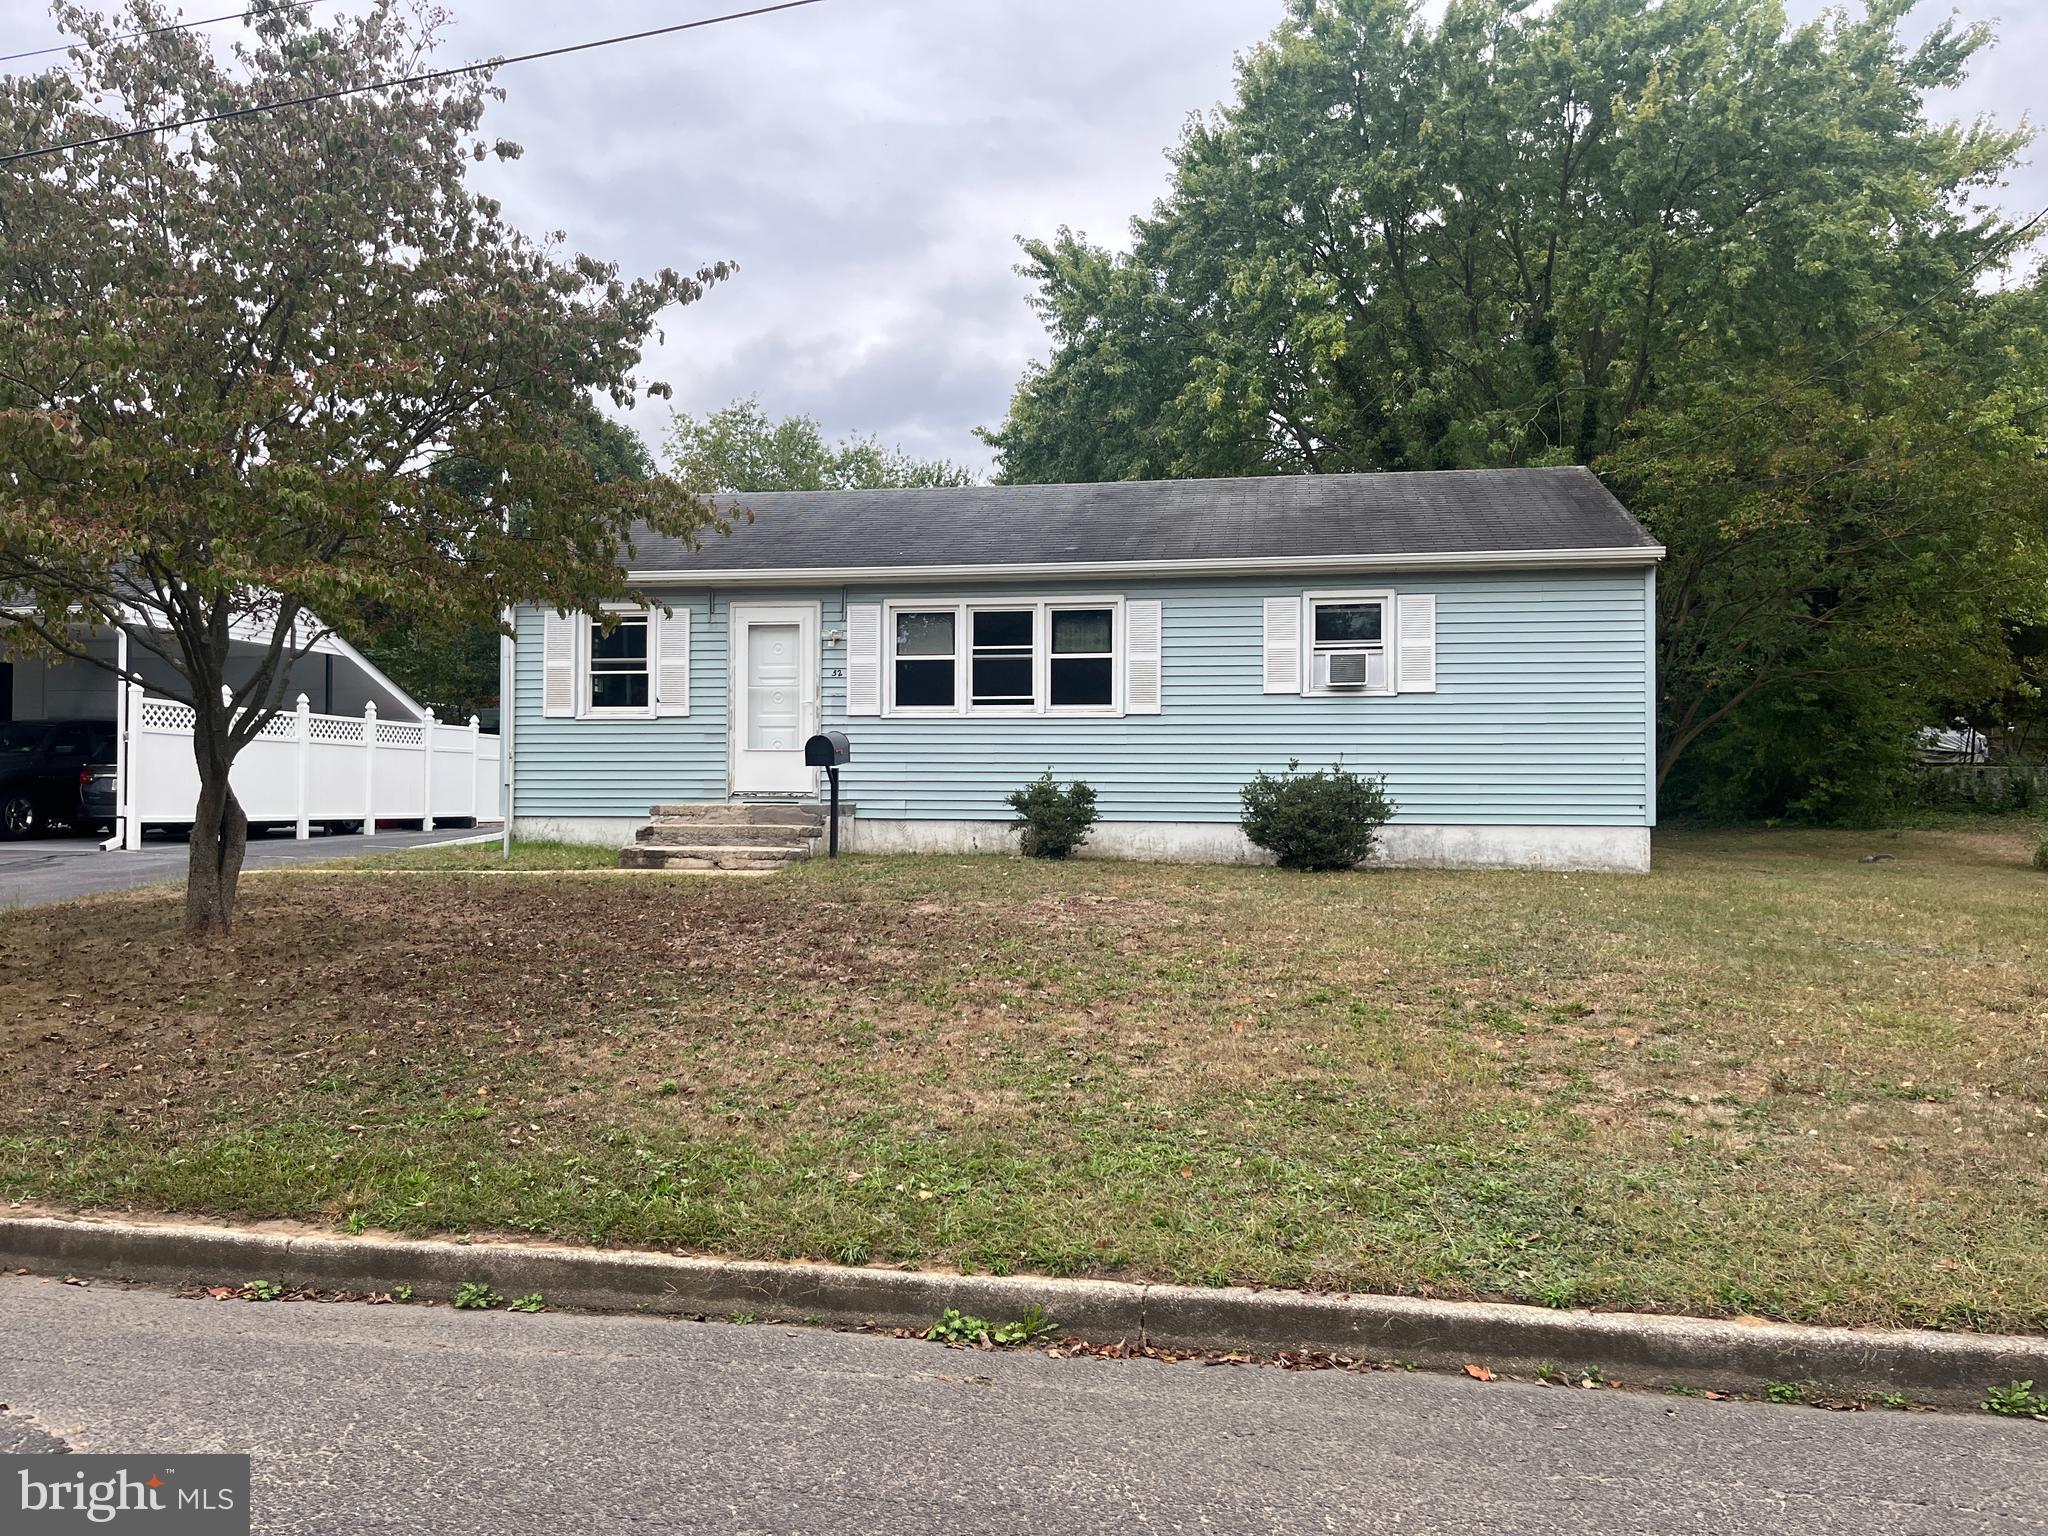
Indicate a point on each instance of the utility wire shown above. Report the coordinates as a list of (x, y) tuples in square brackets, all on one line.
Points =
[(181, 26), (420, 79)]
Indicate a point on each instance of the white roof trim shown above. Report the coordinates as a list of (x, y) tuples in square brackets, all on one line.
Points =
[(1487, 560), (251, 631), (370, 669)]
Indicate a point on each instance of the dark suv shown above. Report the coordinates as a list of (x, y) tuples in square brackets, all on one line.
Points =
[(45, 768)]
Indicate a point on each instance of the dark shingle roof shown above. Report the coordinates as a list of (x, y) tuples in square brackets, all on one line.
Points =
[(1447, 512)]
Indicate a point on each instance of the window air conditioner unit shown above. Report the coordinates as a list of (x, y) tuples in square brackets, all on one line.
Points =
[(1349, 670)]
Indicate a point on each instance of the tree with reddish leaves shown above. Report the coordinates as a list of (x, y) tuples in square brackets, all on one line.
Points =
[(237, 361)]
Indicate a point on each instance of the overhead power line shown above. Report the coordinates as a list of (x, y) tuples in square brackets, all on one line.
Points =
[(179, 26), (420, 79)]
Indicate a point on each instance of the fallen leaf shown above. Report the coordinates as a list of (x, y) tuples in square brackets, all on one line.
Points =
[(1478, 1373)]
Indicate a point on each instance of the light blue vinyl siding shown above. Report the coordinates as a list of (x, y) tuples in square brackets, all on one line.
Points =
[(1542, 713)]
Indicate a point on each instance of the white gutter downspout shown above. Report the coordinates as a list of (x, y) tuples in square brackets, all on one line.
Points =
[(508, 710), (121, 796)]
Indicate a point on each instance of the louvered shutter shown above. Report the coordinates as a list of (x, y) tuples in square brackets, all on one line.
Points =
[(863, 659), (558, 666), (672, 661), (1142, 646), (1416, 668), (1283, 645)]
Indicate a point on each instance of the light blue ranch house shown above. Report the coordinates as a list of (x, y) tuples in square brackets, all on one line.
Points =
[(1482, 638)]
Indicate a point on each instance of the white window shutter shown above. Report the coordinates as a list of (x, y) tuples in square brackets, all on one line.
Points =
[(1416, 671), (558, 666), (1283, 645), (1142, 646), (863, 659), (672, 660)]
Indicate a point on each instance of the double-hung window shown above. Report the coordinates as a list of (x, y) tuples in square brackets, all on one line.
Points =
[(617, 677), (1348, 635), (1081, 661), (1054, 656), (927, 666), (1004, 670)]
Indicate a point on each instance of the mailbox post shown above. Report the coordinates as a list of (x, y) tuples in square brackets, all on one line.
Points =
[(827, 750)]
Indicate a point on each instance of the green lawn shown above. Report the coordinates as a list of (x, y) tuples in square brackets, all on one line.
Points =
[(1768, 1078), (485, 856)]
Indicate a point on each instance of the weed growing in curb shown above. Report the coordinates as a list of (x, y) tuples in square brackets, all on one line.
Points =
[(270, 1290), (2018, 1400), (957, 1327), (401, 1293), (533, 1302), (475, 1296), (1787, 1391)]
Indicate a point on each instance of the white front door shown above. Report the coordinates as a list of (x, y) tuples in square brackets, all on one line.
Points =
[(774, 696)]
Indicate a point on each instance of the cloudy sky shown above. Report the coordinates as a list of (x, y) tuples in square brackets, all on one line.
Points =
[(870, 163)]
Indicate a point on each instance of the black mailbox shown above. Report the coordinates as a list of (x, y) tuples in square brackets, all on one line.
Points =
[(827, 749)]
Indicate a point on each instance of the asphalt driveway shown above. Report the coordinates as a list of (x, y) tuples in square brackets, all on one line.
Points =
[(48, 869)]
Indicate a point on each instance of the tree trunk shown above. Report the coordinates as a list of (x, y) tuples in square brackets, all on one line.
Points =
[(220, 836)]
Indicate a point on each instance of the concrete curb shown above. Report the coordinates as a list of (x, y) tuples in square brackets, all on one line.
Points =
[(1641, 1349)]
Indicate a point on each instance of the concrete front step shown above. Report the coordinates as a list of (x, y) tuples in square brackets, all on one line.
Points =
[(789, 814), (709, 856), (681, 832)]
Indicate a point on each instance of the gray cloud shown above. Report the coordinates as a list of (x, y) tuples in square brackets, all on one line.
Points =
[(869, 163)]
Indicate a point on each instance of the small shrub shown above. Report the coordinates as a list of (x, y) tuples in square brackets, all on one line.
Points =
[(2018, 1401), (474, 1295), (1329, 819), (1054, 821), (2041, 855)]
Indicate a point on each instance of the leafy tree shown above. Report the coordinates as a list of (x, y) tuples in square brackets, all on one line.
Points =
[(738, 448), (1837, 569), (1492, 241), (233, 356), (453, 664), (1655, 236)]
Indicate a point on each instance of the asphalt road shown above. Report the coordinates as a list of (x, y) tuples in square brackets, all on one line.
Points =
[(416, 1420), (46, 869)]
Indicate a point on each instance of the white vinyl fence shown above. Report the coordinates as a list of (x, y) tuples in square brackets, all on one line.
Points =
[(307, 768)]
